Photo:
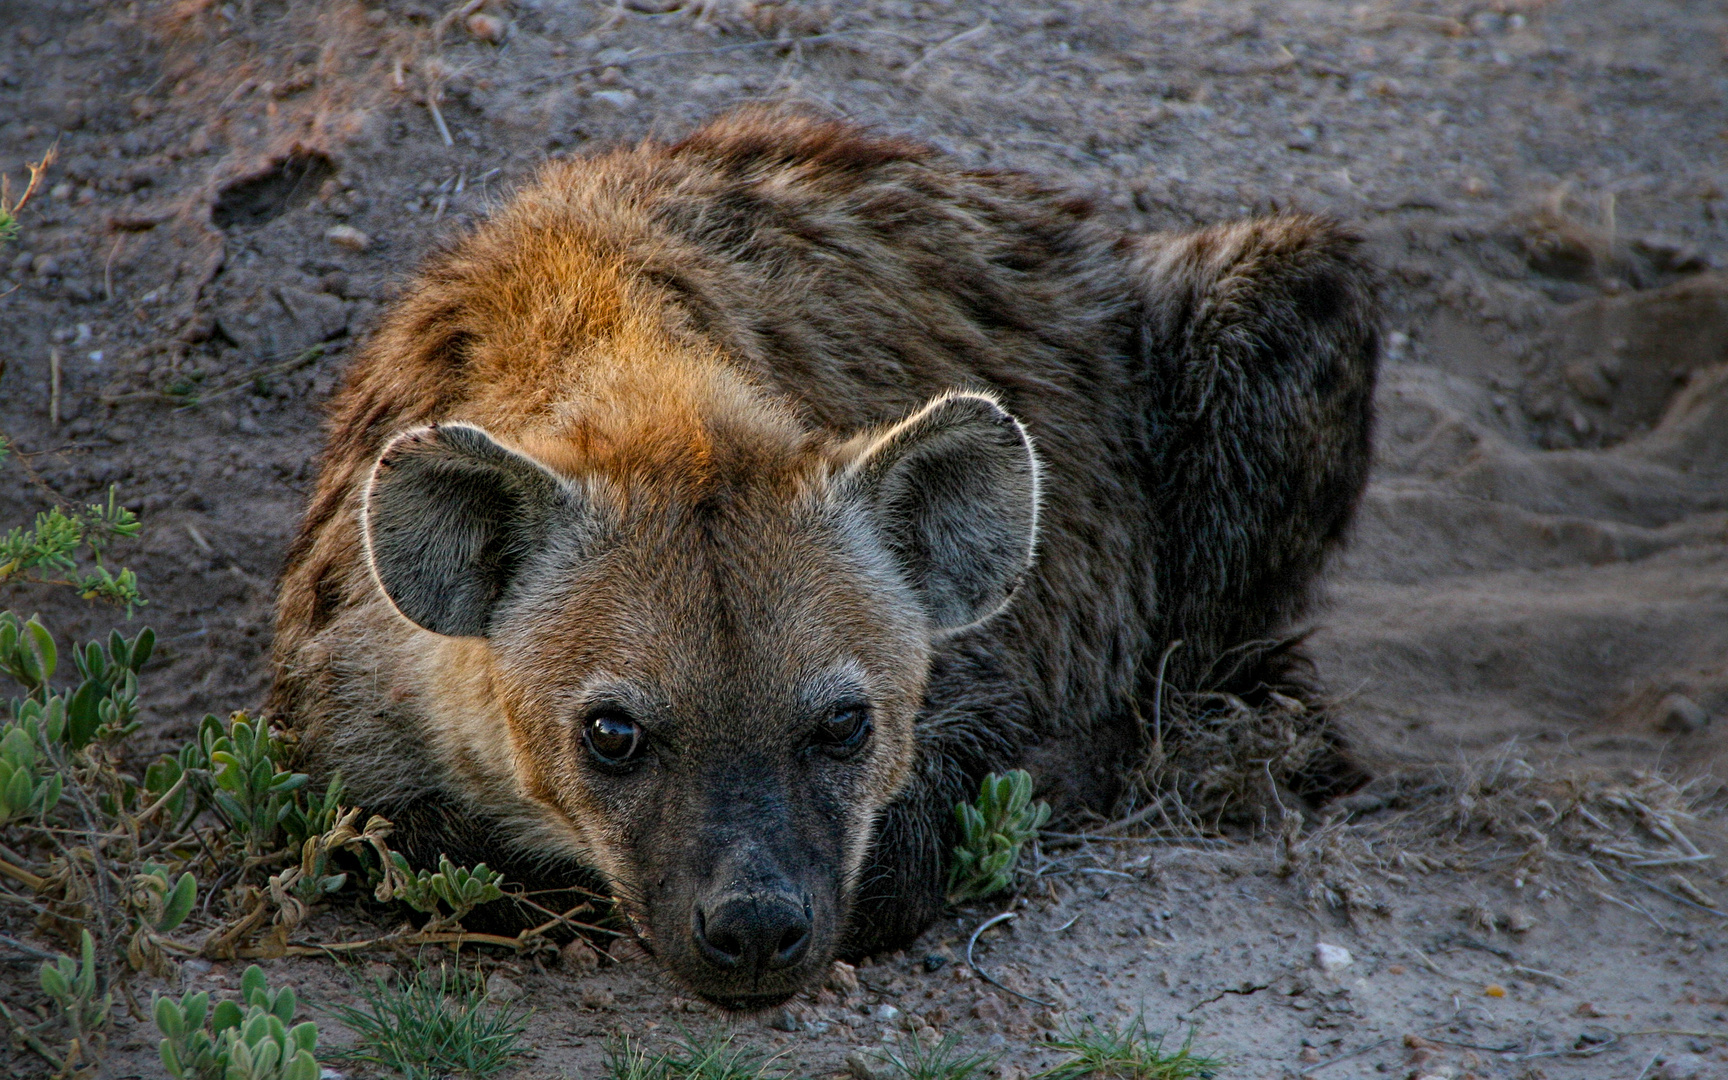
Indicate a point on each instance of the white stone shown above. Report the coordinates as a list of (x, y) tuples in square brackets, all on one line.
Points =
[(347, 236), (1332, 958), (618, 99)]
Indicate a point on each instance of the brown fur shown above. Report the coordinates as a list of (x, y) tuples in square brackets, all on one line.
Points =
[(700, 332)]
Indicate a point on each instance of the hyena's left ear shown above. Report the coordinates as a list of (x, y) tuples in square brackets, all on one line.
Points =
[(450, 518), (952, 491)]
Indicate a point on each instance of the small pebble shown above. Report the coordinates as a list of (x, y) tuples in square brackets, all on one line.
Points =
[(1686, 1067), (1677, 713), (1332, 958), (843, 978), (988, 1007), (863, 1065), (885, 1013), (622, 100), (933, 962), (348, 237), (502, 989), (486, 27), (781, 1019), (579, 957)]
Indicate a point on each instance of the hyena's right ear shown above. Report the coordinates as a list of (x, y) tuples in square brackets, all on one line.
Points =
[(449, 519), (952, 491)]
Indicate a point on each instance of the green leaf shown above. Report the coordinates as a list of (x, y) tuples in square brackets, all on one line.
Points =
[(54, 982), (283, 1006), (195, 1006), (83, 712), (252, 985), (171, 1060), (179, 903), (170, 1018), (226, 1015), (44, 656), (303, 1067), (304, 1036), (143, 647)]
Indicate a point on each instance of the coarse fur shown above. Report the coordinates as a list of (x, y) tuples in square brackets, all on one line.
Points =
[(685, 424)]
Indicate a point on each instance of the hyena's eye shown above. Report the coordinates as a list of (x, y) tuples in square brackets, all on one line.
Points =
[(845, 729), (612, 737)]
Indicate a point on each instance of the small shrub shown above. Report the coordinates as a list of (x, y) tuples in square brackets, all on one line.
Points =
[(992, 832), (916, 1059), (253, 1042), (691, 1057), (55, 549), (459, 888), (433, 1025), (80, 1011), (1130, 1052)]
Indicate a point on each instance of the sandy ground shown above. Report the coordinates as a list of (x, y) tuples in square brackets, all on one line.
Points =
[(1542, 557)]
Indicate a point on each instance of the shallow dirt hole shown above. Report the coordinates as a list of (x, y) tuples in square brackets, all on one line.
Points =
[(257, 200)]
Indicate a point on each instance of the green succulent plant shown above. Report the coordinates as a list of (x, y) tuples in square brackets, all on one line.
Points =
[(252, 1041), (992, 832)]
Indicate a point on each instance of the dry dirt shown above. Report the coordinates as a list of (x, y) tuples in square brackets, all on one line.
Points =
[(1542, 557)]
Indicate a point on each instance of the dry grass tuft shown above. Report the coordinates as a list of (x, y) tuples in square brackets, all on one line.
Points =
[(1622, 836), (1259, 753), (1257, 744)]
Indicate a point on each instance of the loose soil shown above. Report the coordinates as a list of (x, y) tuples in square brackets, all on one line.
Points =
[(1542, 558)]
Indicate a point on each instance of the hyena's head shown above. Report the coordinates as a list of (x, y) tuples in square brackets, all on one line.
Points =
[(708, 684)]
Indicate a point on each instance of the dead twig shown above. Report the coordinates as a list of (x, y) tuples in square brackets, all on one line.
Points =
[(942, 46), (1358, 1052), (54, 387), (982, 974), (438, 119), (37, 171)]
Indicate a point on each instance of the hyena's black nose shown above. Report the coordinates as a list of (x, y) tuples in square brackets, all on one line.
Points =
[(753, 931)]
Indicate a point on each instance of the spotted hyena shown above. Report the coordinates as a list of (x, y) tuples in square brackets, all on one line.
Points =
[(711, 519)]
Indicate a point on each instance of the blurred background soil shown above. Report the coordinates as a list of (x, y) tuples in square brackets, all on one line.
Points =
[(1543, 552)]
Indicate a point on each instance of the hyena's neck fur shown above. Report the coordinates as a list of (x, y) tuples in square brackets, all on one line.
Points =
[(621, 395)]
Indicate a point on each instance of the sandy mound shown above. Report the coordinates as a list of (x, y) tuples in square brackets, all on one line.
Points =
[(1576, 596)]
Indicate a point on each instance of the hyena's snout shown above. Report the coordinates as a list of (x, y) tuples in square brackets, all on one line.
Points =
[(754, 932), (756, 917)]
